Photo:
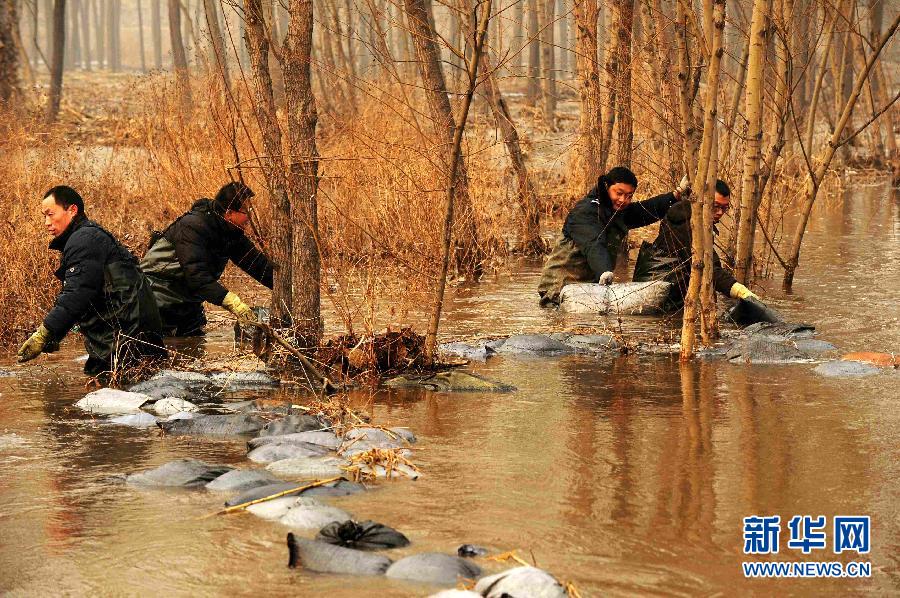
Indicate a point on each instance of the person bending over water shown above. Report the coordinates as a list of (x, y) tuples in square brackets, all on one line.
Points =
[(595, 228)]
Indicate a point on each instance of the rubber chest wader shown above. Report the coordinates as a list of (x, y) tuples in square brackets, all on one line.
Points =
[(566, 264)]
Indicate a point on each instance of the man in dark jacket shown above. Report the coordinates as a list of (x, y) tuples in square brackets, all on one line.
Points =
[(185, 262), (669, 256), (103, 292), (595, 228)]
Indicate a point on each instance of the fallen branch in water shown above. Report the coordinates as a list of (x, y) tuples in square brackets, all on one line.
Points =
[(249, 503)]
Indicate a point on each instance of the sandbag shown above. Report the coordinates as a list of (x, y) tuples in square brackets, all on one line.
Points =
[(108, 401), (629, 298), (750, 311), (365, 535)]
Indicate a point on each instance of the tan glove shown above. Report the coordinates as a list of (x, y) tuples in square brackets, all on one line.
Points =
[(684, 187), (606, 278), (34, 345), (240, 309), (739, 291)]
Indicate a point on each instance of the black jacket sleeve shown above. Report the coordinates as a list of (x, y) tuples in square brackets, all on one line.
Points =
[(82, 283), (193, 254), (643, 213), (584, 227), (252, 261), (722, 278)]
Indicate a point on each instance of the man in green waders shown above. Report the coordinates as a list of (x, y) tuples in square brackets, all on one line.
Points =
[(185, 261), (669, 256), (103, 292), (594, 230)]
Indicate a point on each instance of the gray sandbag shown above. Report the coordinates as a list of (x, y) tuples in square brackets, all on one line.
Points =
[(244, 380), (364, 535), (326, 439), (328, 558), (309, 513), (521, 582), (534, 344), (238, 480), (760, 349), (170, 405), (109, 401), (846, 369), (184, 473), (451, 381), (628, 298), (135, 420), (278, 451), (434, 567), (291, 425), (216, 425), (376, 435), (307, 468), (338, 488)]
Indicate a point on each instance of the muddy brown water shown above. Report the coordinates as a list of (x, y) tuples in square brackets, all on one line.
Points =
[(626, 475)]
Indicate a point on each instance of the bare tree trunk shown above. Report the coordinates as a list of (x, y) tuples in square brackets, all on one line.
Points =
[(179, 58), (611, 83), (625, 135), (469, 255), (73, 36), (257, 43), (518, 36), (548, 63), (218, 40), (455, 175), (140, 16), (114, 24), (821, 164), (701, 208), (672, 93), (156, 32), (736, 101), (99, 8), (590, 131), (10, 88), (533, 91), (565, 53), (754, 114), (530, 242), (57, 58), (85, 17), (303, 171)]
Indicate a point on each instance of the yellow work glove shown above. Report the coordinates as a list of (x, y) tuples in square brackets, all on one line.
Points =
[(739, 291), (606, 278), (240, 309), (34, 345)]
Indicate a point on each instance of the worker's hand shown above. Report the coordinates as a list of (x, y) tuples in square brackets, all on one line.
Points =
[(606, 278), (240, 309), (739, 291), (684, 187), (34, 345)]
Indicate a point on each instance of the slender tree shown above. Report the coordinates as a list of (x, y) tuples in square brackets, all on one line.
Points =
[(533, 91), (303, 171), (468, 254), (57, 57), (218, 40), (85, 17), (752, 146), (587, 158), (9, 55), (548, 62), (179, 57), (624, 31), (140, 17), (156, 32)]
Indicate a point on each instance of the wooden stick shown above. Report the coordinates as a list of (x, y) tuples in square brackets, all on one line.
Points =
[(249, 503)]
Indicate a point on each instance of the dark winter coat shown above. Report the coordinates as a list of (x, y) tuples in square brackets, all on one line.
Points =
[(106, 295), (185, 262), (591, 237), (669, 256)]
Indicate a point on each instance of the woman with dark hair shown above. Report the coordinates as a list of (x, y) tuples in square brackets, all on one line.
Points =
[(595, 228)]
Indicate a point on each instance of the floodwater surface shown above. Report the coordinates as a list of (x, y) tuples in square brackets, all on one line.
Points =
[(623, 475)]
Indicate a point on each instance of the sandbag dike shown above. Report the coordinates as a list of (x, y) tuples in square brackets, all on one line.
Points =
[(298, 460)]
